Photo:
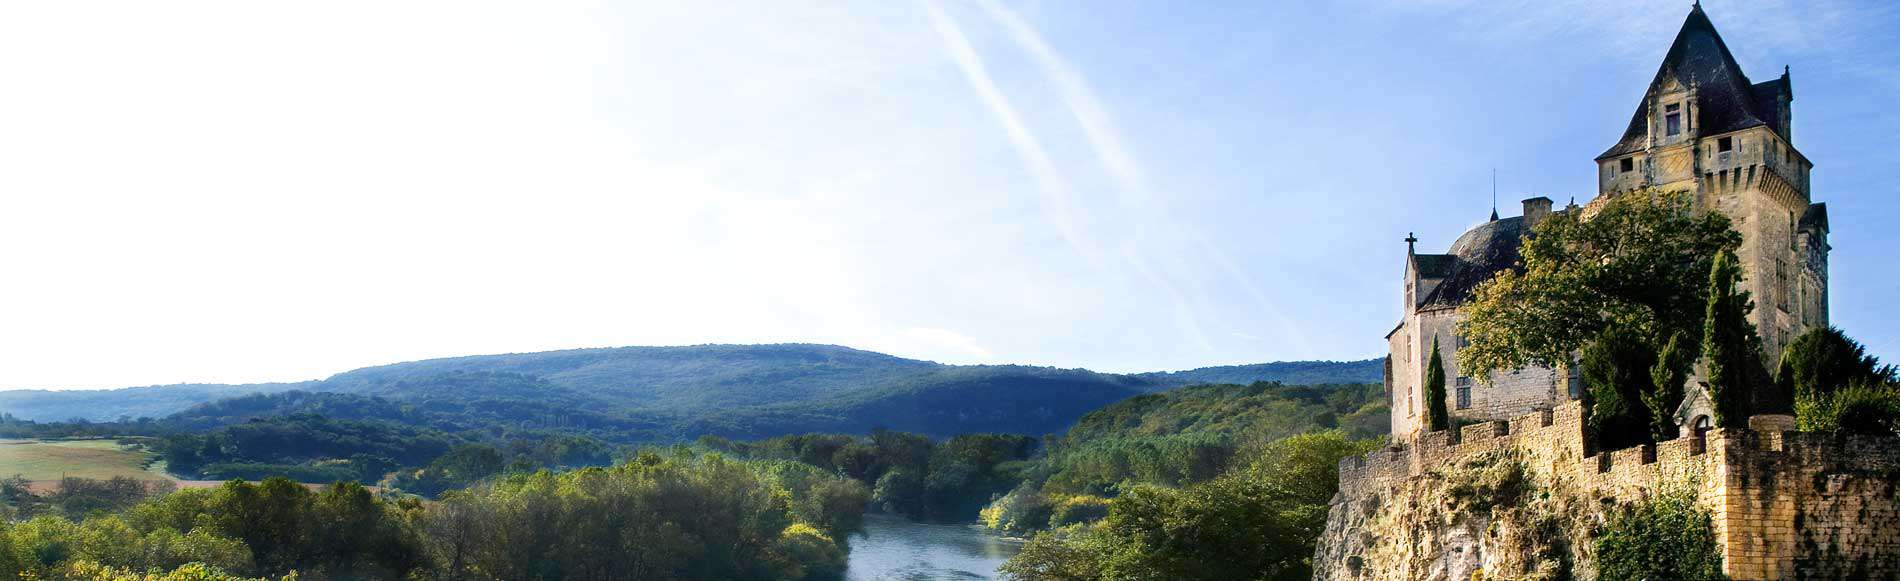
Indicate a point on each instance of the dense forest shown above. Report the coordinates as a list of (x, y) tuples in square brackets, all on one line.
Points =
[(1208, 482), (660, 515)]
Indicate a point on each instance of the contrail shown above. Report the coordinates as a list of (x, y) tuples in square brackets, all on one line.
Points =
[(1057, 202), (1106, 142)]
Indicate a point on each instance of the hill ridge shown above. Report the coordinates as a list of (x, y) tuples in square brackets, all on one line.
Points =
[(818, 385)]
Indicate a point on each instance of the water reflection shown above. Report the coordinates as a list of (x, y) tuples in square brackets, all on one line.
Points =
[(893, 548)]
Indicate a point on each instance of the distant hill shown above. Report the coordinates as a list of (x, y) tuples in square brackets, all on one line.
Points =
[(100, 405), (669, 393), (1287, 372)]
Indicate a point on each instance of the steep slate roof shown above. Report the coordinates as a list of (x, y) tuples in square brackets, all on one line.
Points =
[(1481, 252), (1725, 99), (1433, 265), (1815, 217)]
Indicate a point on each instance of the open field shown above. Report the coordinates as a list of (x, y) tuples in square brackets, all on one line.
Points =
[(44, 462), (48, 461)]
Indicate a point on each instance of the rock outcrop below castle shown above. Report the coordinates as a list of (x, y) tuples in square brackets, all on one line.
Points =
[(1524, 499)]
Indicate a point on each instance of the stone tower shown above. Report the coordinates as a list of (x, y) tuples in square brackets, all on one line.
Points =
[(1704, 128)]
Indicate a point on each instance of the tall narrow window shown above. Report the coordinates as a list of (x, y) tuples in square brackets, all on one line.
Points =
[(1464, 397), (1673, 118)]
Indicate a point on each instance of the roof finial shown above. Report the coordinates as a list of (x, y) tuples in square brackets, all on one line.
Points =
[(1410, 240), (1494, 194)]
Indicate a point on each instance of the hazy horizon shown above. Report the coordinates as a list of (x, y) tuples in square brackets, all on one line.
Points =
[(236, 192)]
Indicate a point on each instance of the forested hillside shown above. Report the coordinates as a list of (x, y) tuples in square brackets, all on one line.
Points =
[(658, 393), (1207, 482)]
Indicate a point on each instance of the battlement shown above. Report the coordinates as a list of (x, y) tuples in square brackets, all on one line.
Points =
[(1785, 504), (1559, 429)]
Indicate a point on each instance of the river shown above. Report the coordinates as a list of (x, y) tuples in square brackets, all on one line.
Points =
[(894, 548)]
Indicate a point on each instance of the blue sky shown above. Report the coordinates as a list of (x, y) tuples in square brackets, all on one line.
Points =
[(248, 192)]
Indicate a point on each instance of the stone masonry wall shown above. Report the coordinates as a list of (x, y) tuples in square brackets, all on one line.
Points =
[(1786, 505), (1501, 395)]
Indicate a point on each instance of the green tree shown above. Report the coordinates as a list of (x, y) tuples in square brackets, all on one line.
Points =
[(1825, 359), (1438, 417), (1641, 262), (1729, 345), (1616, 377)]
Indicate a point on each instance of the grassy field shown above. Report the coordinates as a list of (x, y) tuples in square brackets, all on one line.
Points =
[(45, 461)]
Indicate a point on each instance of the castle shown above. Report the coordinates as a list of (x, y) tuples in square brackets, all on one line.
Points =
[(1702, 129), (1520, 493)]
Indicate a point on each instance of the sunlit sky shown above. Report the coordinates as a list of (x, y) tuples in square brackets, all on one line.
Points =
[(277, 191)]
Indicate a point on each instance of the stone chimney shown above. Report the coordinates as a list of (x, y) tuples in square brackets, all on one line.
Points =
[(1535, 210)]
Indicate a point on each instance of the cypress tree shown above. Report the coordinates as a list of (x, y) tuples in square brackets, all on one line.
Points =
[(1440, 418), (1667, 379), (1730, 346)]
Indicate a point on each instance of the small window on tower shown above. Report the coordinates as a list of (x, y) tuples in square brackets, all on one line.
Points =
[(1628, 164), (1723, 145), (1673, 118), (1464, 397)]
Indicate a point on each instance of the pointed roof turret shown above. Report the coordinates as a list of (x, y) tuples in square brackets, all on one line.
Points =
[(1725, 99)]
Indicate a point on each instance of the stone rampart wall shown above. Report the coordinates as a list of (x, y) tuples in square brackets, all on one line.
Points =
[(1786, 505)]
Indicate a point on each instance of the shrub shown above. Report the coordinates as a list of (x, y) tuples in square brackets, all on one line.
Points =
[(1667, 537), (1856, 409), (90, 571), (811, 552), (1022, 511), (1077, 510)]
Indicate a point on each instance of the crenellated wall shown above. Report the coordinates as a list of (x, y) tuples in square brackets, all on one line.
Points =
[(1786, 505)]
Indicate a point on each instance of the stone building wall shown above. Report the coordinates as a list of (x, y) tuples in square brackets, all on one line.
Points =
[(1500, 395), (1786, 505)]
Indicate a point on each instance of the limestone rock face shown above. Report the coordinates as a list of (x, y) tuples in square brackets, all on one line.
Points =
[(1484, 518), (1525, 499)]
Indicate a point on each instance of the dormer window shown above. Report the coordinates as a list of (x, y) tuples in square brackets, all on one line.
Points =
[(1627, 165), (1723, 145), (1672, 118)]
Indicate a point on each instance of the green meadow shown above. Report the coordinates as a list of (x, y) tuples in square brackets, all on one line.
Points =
[(49, 460)]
